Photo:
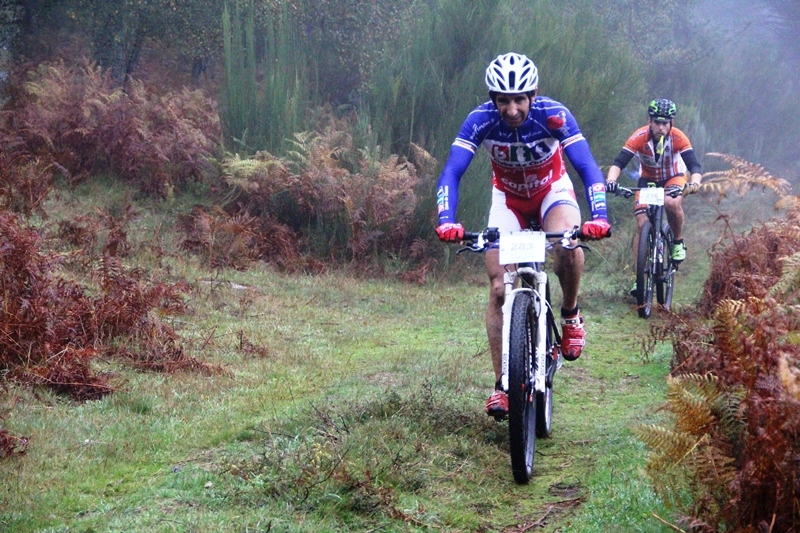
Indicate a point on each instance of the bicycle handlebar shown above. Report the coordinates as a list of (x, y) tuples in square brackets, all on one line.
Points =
[(482, 240), (627, 192)]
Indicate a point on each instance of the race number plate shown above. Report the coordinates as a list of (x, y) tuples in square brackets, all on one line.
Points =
[(522, 247), (651, 196)]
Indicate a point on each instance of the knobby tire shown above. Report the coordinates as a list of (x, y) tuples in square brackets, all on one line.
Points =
[(665, 287), (544, 400), (521, 404), (644, 273)]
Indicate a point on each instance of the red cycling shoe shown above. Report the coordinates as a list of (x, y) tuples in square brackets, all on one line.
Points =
[(497, 404), (573, 337)]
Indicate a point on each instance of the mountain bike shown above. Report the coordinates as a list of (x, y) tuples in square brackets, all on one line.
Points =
[(531, 338), (655, 269)]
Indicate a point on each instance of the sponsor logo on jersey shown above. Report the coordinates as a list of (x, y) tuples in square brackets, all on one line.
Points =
[(477, 128), (558, 123), (442, 202), (522, 154), (531, 183)]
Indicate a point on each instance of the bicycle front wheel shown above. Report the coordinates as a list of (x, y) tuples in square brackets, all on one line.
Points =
[(544, 412), (521, 404), (544, 400), (644, 271), (666, 275)]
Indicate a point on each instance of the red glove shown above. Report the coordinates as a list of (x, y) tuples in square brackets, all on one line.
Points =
[(450, 232), (596, 229)]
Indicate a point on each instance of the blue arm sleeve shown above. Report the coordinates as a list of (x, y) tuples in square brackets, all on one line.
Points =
[(447, 188), (593, 182)]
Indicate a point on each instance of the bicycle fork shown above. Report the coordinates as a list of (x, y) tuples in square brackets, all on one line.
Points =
[(661, 266), (539, 344)]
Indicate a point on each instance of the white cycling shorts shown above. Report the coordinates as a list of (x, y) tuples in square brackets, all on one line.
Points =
[(513, 214)]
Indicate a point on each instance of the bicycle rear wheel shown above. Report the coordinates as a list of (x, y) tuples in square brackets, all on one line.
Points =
[(644, 272), (521, 404), (666, 274)]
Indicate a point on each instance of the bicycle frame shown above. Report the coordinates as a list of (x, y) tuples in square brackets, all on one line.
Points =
[(656, 215), (661, 264), (538, 291), (528, 322), (654, 266)]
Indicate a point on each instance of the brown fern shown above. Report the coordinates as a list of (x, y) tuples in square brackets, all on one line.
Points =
[(742, 177), (691, 459), (743, 336), (51, 329), (75, 118), (12, 445)]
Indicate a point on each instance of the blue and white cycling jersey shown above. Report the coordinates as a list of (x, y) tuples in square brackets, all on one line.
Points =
[(525, 160)]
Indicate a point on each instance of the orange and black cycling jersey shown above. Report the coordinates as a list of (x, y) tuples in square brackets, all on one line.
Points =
[(660, 162)]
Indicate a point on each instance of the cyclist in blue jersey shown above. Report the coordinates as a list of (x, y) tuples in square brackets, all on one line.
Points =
[(526, 136)]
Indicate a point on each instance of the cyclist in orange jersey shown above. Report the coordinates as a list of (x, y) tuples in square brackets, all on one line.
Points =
[(665, 154)]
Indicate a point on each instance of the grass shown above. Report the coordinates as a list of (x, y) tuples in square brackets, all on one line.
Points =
[(346, 405)]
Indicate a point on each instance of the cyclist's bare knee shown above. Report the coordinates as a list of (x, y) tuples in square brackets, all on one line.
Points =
[(495, 272), (568, 261)]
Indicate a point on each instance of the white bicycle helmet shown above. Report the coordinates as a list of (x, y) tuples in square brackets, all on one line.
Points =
[(512, 73)]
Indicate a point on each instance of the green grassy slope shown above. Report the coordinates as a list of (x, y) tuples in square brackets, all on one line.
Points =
[(346, 405)]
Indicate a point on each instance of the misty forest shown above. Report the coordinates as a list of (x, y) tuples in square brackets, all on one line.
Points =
[(151, 151)]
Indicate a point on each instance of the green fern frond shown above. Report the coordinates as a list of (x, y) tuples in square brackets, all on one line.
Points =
[(665, 443), (690, 400), (790, 276), (303, 143), (726, 326), (729, 411), (711, 468)]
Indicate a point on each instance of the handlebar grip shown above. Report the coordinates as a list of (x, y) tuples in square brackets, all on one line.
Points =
[(580, 235)]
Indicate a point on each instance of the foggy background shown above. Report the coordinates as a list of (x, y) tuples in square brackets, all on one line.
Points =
[(411, 70)]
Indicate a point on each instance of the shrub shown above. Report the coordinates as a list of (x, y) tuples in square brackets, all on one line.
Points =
[(25, 182), (52, 329), (730, 461), (73, 116), (221, 240), (325, 200)]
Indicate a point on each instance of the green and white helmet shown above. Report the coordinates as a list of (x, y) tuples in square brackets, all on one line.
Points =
[(662, 109)]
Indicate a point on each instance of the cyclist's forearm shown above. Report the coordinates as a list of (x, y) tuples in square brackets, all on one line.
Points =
[(696, 178), (447, 188), (582, 159), (613, 173)]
